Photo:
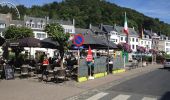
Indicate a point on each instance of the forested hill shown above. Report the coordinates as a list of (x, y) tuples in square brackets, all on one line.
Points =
[(92, 11)]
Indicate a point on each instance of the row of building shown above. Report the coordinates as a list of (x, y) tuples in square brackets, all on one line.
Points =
[(149, 40)]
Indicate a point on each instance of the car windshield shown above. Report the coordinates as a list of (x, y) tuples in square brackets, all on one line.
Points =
[(167, 60)]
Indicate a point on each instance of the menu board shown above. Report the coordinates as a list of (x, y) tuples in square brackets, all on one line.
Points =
[(9, 72)]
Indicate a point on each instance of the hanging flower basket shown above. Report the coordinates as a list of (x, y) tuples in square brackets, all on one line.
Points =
[(153, 51), (125, 47), (141, 49)]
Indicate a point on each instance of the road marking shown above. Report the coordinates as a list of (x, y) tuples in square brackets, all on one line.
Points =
[(148, 98), (121, 97), (97, 96)]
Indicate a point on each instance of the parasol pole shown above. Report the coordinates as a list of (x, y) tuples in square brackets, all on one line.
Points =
[(30, 53)]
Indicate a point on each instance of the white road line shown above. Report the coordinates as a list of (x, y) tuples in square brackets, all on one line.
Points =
[(121, 97), (148, 98), (97, 96)]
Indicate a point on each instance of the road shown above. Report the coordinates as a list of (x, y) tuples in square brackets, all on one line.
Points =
[(154, 85)]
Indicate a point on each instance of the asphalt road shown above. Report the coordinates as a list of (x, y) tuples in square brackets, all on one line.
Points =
[(154, 85)]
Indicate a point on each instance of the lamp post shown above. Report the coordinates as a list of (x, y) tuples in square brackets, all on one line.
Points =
[(108, 41)]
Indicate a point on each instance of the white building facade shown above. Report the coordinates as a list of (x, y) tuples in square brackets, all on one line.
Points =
[(145, 42), (167, 46)]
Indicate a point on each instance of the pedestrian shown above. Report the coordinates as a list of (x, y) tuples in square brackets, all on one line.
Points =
[(45, 64)]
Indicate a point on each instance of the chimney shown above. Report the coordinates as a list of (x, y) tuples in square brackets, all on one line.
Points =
[(101, 26), (73, 21), (47, 19), (133, 28), (25, 17), (90, 26), (114, 24)]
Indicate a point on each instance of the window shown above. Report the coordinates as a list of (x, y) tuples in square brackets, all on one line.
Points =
[(133, 39), (141, 42), (38, 25), (33, 25), (121, 38), (19, 25), (136, 40), (41, 35), (2, 25), (136, 46), (167, 44), (27, 24), (125, 38), (133, 47), (167, 49)]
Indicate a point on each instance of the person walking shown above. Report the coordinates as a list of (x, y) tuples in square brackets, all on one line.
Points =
[(45, 64)]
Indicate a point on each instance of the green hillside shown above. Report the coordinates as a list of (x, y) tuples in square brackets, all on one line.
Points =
[(92, 11)]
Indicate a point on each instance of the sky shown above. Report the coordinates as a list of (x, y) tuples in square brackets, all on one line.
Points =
[(153, 8)]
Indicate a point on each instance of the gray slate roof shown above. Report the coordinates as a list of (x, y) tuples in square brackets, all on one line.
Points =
[(119, 29), (26, 18), (2, 21), (91, 38), (17, 22), (96, 29), (63, 22), (107, 28), (150, 33), (83, 31)]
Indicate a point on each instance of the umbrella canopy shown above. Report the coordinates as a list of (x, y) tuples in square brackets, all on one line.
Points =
[(49, 43), (26, 42), (2, 41)]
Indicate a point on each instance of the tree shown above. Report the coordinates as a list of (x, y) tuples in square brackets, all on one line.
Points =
[(56, 32), (14, 33)]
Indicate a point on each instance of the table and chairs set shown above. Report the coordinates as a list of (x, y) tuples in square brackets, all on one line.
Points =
[(52, 73)]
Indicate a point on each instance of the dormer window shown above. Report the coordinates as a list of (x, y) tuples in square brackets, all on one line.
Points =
[(166, 38), (41, 21), (32, 24), (38, 25), (19, 25), (27, 24)]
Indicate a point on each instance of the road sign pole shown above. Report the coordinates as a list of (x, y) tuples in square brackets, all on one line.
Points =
[(78, 57)]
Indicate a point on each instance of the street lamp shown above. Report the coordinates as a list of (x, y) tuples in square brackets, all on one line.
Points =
[(108, 42)]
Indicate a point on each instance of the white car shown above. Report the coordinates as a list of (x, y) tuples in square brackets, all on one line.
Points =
[(167, 63)]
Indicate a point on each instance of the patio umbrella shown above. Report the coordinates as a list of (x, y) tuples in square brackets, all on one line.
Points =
[(2, 41), (49, 43), (26, 42)]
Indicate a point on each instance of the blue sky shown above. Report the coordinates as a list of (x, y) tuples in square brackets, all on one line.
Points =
[(153, 8)]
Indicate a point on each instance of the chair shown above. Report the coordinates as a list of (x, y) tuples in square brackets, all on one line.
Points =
[(24, 70), (50, 71), (61, 75), (1, 70)]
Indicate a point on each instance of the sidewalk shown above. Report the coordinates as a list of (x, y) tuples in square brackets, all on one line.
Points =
[(31, 89)]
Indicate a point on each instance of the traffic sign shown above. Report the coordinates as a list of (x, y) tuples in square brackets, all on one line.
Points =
[(78, 40), (76, 47)]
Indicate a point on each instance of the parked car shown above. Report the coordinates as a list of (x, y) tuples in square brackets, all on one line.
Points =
[(167, 63)]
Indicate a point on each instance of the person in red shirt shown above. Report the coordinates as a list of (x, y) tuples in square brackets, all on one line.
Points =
[(45, 63)]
